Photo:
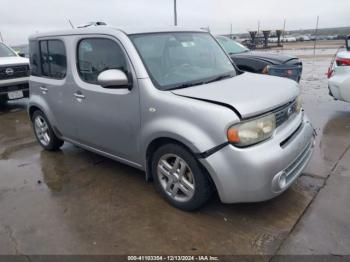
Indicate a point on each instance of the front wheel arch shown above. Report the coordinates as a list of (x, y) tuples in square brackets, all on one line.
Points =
[(204, 188), (153, 146), (157, 143)]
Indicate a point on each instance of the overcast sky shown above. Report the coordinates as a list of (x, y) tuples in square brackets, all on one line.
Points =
[(20, 18)]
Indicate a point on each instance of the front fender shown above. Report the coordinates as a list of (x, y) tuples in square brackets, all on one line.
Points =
[(192, 136)]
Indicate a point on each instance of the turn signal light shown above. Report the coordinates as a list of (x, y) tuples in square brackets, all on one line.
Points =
[(233, 136)]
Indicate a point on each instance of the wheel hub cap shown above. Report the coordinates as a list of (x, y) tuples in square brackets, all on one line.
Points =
[(176, 177)]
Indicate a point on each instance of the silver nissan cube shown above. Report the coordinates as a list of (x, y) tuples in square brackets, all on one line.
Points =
[(171, 102)]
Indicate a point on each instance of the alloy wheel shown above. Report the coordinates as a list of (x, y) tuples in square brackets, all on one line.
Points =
[(42, 130), (176, 177)]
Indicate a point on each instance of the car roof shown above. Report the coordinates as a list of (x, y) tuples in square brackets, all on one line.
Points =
[(112, 30)]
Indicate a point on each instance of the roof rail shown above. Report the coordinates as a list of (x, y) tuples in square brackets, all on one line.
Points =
[(98, 23)]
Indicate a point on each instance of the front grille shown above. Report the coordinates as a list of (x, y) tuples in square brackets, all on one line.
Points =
[(283, 113), (298, 164), (10, 72)]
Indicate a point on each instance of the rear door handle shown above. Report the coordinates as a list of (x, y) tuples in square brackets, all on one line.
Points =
[(43, 89), (79, 96)]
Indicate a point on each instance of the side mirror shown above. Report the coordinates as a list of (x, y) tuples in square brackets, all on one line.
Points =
[(348, 43), (113, 78), (21, 54)]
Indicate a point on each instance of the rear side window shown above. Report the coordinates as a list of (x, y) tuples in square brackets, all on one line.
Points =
[(96, 55), (45, 69), (53, 59), (34, 58)]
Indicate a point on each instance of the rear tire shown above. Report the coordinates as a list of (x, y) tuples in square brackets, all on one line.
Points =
[(179, 177), (44, 132)]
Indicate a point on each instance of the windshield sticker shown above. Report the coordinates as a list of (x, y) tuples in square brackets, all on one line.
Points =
[(188, 44)]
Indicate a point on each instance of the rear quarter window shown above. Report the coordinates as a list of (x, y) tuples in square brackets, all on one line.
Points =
[(34, 58)]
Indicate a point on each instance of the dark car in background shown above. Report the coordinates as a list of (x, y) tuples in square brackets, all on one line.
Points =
[(262, 62)]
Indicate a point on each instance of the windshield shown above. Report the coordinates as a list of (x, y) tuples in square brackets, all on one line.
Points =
[(231, 47), (5, 51), (180, 59)]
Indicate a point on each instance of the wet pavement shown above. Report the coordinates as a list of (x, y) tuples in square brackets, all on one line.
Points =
[(76, 202)]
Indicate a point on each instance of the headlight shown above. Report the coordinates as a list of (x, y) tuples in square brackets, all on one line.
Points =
[(266, 70), (252, 132)]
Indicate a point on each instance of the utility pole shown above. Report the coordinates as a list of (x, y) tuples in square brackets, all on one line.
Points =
[(283, 32), (231, 31), (2, 40), (316, 33), (175, 13), (284, 27)]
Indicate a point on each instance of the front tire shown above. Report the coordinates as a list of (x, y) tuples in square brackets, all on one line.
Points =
[(44, 133), (179, 177)]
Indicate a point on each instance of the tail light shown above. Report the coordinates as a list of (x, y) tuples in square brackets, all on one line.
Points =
[(343, 61)]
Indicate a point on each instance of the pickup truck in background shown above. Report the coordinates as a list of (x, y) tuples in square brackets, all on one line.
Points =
[(14, 75)]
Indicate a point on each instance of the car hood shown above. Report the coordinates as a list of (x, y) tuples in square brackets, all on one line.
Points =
[(13, 60), (268, 57), (249, 94)]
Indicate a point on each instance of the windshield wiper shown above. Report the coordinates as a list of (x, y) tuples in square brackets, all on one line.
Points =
[(218, 78), (186, 85)]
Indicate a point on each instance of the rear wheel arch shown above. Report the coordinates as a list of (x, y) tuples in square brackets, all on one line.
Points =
[(32, 109), (44, 131)]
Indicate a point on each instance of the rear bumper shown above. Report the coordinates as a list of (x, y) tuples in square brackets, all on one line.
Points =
[(255, 174), (335, 91)]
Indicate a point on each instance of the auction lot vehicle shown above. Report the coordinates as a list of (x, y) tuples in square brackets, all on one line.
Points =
[(339, 75), (14, 75), (262, 62), (170, 102)]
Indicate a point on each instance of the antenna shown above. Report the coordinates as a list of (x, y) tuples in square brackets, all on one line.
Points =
[(175, 13), (316, 34), (71, 24)]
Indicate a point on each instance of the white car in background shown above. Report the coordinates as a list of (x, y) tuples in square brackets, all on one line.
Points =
[(339, 75), (14, 75)]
